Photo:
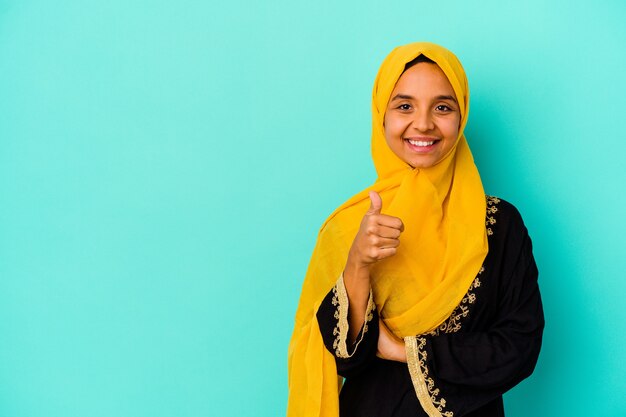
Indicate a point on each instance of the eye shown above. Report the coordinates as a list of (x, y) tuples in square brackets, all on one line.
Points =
[(404, 106), (443, 108)]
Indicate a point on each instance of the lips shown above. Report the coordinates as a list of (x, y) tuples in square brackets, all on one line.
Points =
[(421, 144)]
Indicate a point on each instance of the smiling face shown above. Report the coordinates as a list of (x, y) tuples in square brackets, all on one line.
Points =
[(422, 117)]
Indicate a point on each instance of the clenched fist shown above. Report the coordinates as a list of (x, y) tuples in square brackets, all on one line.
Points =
[(378, 237)]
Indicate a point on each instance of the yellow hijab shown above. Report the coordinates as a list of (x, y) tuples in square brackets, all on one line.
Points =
[(442, 247)]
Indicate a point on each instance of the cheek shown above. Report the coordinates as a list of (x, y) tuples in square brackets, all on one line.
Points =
[(393, 128), (450, 129)]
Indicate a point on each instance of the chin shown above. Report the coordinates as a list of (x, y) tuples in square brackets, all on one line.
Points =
[(423, 163)]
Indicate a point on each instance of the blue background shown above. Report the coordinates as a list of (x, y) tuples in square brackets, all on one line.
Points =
[(165, 166)]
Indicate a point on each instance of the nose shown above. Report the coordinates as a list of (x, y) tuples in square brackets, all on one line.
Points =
[(423, 121)]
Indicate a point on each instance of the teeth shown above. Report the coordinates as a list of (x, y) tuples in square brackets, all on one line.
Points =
[(420, 143)]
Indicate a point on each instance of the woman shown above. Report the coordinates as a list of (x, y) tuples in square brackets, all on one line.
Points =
[(421, 291)]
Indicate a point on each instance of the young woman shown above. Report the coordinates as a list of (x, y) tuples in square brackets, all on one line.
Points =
[(421, 291)]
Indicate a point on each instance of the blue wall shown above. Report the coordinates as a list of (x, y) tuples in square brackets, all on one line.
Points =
[(164, 167)]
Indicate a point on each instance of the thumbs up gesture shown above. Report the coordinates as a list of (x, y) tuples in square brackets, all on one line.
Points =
[(378, 236)]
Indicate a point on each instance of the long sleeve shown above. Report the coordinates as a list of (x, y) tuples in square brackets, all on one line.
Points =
[(332, 317), (458, 370)]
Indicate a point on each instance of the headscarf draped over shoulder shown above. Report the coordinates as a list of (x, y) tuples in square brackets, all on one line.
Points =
[(442, 247)]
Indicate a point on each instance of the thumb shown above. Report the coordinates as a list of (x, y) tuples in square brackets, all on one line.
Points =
[(376, 203)]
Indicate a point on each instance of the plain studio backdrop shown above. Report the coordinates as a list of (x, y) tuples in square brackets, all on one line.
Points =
[(165, 167)]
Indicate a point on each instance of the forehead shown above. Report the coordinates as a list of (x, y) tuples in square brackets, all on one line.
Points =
[(424, 78)]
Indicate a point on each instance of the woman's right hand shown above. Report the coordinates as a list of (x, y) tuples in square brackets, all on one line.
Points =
[(378, 236)]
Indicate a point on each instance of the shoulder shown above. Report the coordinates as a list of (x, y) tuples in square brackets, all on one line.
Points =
[(510, 246), (502, 210), (503, 219)]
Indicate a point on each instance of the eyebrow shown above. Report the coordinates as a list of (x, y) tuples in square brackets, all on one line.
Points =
[(407, 97)]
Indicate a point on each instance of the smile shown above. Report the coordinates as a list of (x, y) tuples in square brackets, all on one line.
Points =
[(420, 142), (421, 145)]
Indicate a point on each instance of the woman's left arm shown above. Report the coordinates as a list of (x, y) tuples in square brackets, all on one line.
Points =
[(456, 373)]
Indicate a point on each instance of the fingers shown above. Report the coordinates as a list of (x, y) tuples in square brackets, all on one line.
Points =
[(386, 252), (376, 203), (383, 225), (378, 237), (383, 242), (375, 254), (384, 231), (390, 221)]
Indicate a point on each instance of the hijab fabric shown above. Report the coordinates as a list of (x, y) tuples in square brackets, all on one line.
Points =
[(442, 248)]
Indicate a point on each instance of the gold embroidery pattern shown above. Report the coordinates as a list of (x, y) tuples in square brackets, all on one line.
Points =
[(492, 209), (453, 323), (427, 394), (430, 396), (341, 302)]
